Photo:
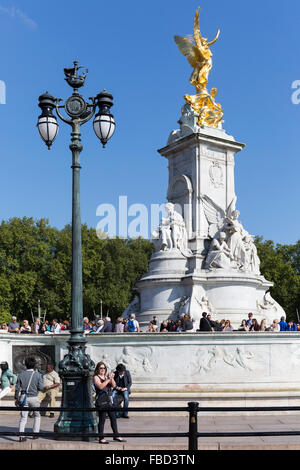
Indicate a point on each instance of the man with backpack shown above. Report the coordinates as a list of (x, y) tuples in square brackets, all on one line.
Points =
[(133, 325)]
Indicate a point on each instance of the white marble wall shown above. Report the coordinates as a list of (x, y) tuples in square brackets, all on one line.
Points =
[(219, 362)]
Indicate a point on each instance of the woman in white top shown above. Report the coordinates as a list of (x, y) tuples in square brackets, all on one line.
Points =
[(275, 326), (25, 328), (4, 328)]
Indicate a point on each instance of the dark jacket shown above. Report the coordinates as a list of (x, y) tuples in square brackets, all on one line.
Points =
[(127, 380), (205, 324), (214, 325), (108, 327), (188, 325)]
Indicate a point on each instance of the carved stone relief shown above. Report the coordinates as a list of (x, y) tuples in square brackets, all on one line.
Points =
[(216, 175), (209, 359)]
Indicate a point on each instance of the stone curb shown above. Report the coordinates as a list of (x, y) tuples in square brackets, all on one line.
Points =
[(157, 447)]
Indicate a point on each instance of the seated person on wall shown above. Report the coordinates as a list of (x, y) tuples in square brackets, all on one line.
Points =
[(152, 328), (13, 326), (179, 325), (275, 326), (243, 326), (163, 326), (188, 323), (86, 325), (170, 325), (51, 382), (4, 328), (8, 379), (36, 327), (291, 326), (108, 326), (283, 324), (205, 324), (122, 390), (55, 327), (119, 326), (227, 326), (214, 325), (25, 328)]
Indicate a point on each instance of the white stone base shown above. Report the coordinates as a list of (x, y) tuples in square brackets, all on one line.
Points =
[(236, 369), (232, 294)]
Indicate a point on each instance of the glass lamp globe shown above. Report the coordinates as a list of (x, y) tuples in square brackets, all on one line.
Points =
[(47, 123), (48, 129), (104, 127)]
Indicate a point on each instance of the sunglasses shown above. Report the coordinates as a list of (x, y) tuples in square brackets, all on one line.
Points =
[(102, 368)]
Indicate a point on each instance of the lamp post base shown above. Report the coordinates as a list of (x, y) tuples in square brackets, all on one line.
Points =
[(76, 394)]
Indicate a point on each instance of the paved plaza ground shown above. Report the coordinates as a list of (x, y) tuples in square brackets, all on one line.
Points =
[(252, 423)]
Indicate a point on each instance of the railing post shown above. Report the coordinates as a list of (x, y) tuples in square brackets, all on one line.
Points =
[(193, 425)]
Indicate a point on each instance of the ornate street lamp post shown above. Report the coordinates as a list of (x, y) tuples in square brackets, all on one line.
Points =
[(76, 367)]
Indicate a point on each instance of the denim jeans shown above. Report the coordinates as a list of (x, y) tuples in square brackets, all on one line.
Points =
[(125, 395)]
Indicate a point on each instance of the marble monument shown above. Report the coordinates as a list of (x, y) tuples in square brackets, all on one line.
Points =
[(204, 258)]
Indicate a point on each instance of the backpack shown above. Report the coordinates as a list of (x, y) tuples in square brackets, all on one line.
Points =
[(131, 326)]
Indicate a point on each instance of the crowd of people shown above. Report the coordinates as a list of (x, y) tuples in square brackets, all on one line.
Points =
[(249, 324), (131, 325), (37, 327)]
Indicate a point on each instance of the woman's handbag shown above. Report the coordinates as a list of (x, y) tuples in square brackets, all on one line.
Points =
[(104, 400), (23, 397)]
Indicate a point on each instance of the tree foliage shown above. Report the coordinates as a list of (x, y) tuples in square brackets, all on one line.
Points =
[(36, 263), (280, 264)]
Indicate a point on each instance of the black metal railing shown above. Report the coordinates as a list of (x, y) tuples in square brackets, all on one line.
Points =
[(192, 434)]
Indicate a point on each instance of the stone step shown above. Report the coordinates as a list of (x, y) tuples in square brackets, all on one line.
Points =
[(213, 399)]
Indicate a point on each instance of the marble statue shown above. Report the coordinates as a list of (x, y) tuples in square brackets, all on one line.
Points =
[(243, 252), (171, 233), (205, 305), (219, 254), (269, 304), (181, 307)]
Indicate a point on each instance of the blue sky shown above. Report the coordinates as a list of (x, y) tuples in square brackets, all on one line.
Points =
[(128, 48)]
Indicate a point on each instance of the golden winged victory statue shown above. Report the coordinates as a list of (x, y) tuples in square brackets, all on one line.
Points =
[(200, 57)]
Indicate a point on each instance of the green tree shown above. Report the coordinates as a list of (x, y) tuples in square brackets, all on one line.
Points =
[(277, 268)]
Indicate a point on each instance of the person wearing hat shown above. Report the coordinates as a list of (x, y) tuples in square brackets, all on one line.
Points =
[(122, 390), (8, 379)]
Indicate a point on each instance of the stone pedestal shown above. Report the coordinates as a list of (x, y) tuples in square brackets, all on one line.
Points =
[(200, 163), (162, 286)]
